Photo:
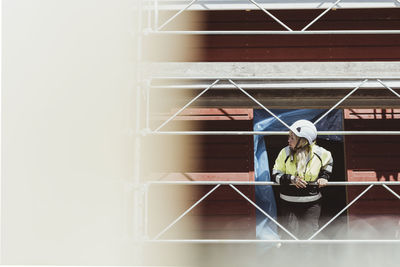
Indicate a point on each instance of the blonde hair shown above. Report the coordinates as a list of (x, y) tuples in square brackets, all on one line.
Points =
[(301, 155)]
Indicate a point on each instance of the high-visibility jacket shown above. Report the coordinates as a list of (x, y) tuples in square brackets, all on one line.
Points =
[(319, 165)]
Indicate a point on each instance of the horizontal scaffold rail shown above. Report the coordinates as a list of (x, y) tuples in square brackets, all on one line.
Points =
[(361, 183), (271, 83), (268, 132), (214, 5), (287, 78), (258, 241), (321, 32)]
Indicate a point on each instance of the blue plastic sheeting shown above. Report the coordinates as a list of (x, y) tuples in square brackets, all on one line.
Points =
[(263, 121)]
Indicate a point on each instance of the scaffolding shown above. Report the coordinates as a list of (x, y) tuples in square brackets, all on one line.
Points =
[(154, 27), (311, 239), (352, 84)]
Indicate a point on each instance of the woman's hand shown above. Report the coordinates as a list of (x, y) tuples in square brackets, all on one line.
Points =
[(299, 182), (322, 182)]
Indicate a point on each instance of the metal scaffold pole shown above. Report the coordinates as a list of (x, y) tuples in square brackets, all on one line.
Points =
[(137, 192)]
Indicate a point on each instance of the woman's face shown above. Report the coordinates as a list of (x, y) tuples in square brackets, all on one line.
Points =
[(292, 140)]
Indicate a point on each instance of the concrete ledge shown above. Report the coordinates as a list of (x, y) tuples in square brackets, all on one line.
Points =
[(278, 85), (273, 69)]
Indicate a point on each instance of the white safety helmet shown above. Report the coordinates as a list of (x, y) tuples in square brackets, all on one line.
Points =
[(306, 129)]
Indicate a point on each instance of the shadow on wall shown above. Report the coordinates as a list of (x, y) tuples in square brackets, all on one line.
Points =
[(388, 176)]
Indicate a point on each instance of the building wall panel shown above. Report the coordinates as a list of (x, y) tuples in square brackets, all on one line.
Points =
[(268, 48), (224, 213), (373, 158)]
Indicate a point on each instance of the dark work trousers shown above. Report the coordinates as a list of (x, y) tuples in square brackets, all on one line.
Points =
[(301, 219)]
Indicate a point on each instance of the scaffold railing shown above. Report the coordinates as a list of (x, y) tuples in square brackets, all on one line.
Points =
[(267, 132), (155, 27), (361, 83), (153, 21), (175, 5), (233, 184)]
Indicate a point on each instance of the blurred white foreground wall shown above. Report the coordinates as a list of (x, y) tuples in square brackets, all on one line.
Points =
[(67, 140), (71, 71)]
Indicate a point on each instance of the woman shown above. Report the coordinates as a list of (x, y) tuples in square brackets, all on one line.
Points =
[(301, 169)]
